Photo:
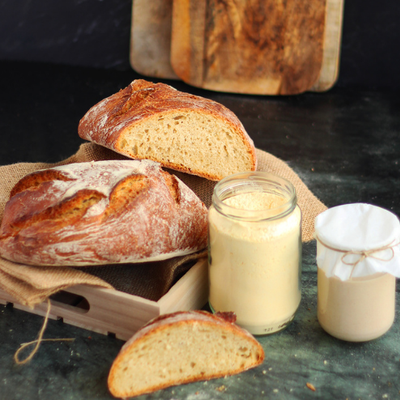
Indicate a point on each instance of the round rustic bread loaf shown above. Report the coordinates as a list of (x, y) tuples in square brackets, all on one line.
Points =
[(103, 212)]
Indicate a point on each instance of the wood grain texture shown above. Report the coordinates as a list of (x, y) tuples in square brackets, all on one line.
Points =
[(188, 40), (332, 43), (259, 47), (151, 38)]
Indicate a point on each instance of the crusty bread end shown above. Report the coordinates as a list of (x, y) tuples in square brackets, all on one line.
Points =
[(180, 348)]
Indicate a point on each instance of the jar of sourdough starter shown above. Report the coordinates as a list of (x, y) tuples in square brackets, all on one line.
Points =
[(358, 261), (255, 251)]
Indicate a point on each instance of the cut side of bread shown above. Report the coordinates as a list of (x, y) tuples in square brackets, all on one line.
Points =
[(179, 348), (181, 131)]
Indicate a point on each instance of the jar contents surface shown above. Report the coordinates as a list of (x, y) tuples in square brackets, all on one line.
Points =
[(255, 266), (358, 309)]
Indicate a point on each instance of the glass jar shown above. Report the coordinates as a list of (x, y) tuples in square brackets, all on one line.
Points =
[(358, 260), (357, 309), (255, 251)]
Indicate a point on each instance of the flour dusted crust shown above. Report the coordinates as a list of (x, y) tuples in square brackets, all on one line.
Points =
[(183, 132), (103, 212), (179, 348)]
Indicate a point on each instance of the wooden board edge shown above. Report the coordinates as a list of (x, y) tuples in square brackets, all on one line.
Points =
[(332, 44), (152, 59), (190, 292)]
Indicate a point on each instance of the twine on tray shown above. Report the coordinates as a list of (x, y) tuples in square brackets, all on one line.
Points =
[(363, 254), (38, 341)]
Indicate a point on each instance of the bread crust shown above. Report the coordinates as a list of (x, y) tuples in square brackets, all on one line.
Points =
[(104, 212), (107, 122), (161, 325)]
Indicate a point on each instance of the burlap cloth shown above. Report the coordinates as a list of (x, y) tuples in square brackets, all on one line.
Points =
[(32, 285)]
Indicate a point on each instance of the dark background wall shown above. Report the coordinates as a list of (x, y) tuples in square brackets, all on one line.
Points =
[(96, 33)]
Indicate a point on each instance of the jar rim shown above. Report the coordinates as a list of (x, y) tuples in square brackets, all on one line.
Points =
[(248, 182)]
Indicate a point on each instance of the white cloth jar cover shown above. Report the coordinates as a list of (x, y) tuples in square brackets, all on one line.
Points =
[(357, 240)]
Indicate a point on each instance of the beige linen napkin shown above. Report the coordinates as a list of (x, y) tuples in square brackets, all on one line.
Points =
[(32, 285)]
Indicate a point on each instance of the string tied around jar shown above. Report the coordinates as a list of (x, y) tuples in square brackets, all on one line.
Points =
[(363, 254)]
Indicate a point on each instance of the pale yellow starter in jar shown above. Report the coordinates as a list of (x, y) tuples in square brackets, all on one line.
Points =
[(255, 252), (358, 309)]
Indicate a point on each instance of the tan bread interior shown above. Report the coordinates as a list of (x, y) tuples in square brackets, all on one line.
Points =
[(196, 141), (181, 354)]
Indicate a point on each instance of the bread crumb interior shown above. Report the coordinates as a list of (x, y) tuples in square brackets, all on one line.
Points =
[(180, 355), (196, 141)]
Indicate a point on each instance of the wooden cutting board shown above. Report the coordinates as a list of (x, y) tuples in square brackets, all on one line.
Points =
[(214, 45)]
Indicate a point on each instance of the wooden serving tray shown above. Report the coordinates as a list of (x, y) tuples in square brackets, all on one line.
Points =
[(112, 312)]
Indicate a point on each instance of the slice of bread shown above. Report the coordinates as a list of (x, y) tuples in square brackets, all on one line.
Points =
[(181, 131), (179, 348)]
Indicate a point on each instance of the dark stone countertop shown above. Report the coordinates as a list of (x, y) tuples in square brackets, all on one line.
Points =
[(344, 144)]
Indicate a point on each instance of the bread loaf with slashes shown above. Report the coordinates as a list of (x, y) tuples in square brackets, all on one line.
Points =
[(103, 212)]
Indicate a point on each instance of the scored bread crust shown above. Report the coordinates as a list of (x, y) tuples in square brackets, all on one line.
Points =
[(132, 122), (104, 212), (175, 331)]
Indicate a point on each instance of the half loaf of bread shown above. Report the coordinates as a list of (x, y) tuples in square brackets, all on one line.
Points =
[(181, 131), (103, 212), (179, 348)]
